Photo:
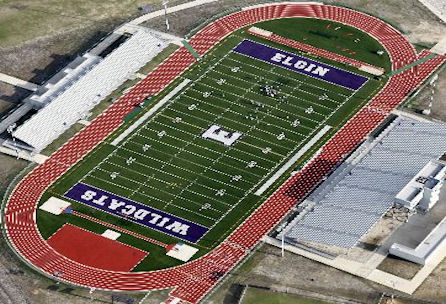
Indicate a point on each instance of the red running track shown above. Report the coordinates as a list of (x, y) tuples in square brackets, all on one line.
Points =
[(195, 279)]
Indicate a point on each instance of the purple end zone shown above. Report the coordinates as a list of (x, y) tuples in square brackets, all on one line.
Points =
[(136, 212), (301, 64)]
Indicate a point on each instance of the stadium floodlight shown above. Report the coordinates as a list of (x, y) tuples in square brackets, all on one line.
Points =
[(165, 13)]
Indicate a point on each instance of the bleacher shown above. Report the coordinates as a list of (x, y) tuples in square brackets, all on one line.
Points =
[(349, 207), (74, 97)]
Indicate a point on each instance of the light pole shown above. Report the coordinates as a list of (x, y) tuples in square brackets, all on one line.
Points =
[(283, 244), (165, 13)]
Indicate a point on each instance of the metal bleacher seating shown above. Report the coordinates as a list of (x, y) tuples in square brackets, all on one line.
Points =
[(344, 213), (87, 89)]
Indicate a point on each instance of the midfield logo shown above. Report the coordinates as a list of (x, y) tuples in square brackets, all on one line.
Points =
[(216, 133)]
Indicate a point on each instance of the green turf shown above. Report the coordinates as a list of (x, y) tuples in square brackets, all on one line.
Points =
[(181, 172), (332, 36)]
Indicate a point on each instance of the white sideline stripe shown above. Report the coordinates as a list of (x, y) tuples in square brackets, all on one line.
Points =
[(289, 163), (143, 118)]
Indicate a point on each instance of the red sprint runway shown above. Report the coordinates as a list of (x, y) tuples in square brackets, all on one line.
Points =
[(95, 250)]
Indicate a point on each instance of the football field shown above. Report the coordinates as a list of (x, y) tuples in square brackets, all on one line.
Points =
[(200, 151), (169, 165)]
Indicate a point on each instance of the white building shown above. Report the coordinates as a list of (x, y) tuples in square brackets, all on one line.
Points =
[(423, 190)]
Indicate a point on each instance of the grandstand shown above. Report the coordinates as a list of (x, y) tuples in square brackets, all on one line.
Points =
[(360, 191), (84, 84)]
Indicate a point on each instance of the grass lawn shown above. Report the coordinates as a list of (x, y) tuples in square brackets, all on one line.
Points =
[(28, 19), (260, 296)]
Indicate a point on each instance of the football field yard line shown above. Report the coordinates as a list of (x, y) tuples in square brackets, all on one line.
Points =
[(267, 105), (223, 154), (286, 94), (285, 85), (237, 122), (148, 196), (290, 162), (278, 74), (149, 113), (199, 146), (199, 135), (271, 115), (171, 174), (237, 113), (220, 117), (215, 108), (162, 181), (155, 109), (190, 152), (148, 166), (231, 93), (241, 123)]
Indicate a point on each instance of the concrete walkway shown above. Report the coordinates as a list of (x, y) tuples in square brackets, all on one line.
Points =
[(413, 116), (18, 82), (170, 10), (440, 47), (37, 158)]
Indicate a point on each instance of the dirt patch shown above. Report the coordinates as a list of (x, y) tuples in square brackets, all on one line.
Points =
[(433, 98), (38, 59), (438, 109), (5, 107), (399, 267), (433, 287), (267, 268)]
